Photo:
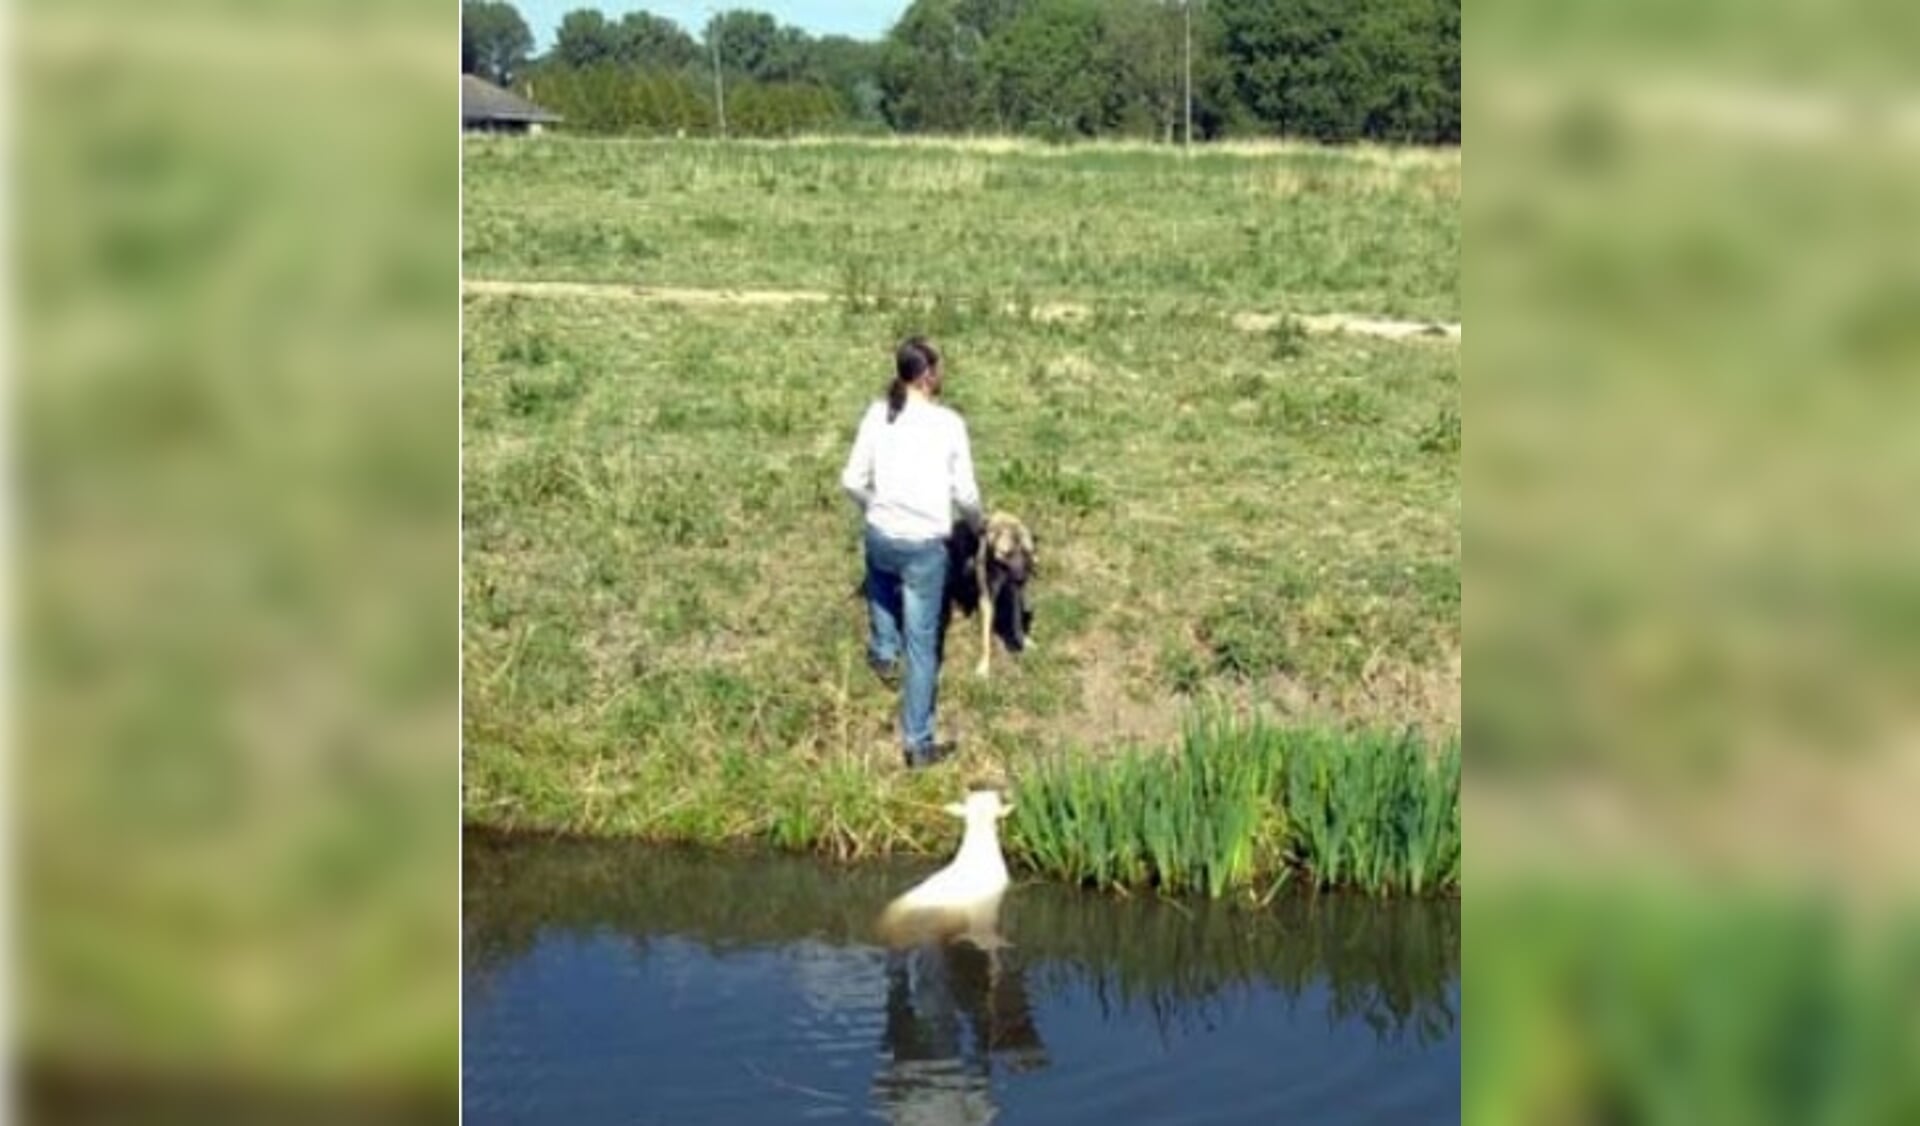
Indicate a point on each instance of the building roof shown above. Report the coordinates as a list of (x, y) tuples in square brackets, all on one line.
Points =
[(481, 100)]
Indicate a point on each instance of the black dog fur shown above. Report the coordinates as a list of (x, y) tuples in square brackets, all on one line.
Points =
[(1012, 614)]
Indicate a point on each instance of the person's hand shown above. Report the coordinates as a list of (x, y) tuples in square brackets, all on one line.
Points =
[(977, 521)]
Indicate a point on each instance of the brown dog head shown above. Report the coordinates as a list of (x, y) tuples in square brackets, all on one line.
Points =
[(1010, 544)]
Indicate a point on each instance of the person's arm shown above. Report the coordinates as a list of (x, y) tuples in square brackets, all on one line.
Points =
[(966, 490), (857, 477)]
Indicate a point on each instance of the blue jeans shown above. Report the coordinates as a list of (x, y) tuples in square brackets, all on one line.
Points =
[(906, 582)]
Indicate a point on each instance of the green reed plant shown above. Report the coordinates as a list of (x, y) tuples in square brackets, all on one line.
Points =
[(1431, 826), (1377, 812), (1242, 802)]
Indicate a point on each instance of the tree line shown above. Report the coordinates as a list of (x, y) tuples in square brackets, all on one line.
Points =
[(1328, 70)]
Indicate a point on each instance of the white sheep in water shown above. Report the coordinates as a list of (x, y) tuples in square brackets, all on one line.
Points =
[(962, 899)]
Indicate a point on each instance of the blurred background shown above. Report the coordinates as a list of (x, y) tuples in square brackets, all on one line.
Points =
[(236, 335), (1693, 598), (1692, 608)]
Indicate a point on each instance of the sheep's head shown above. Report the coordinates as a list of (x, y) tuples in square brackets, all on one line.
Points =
[(981, 805)]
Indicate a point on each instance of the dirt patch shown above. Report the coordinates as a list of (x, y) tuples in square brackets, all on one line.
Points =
[(1119, 705), (1119, 714), (1426, 694), (1387, 692), (665, 294), (1352, 324)]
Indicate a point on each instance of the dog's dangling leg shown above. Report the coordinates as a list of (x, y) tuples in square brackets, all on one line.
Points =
[(987, 606)]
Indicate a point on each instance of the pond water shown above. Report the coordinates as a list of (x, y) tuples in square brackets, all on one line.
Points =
[(617, 983)]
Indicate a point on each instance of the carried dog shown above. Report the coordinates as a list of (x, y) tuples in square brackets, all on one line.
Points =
[(992, 565)]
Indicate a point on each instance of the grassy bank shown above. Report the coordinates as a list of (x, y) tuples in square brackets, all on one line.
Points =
[(660, 570), (661, 636), (1239, 808), (1305, 229)]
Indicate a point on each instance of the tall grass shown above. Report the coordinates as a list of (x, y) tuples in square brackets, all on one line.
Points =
[(1374, 811), (1248, 806)]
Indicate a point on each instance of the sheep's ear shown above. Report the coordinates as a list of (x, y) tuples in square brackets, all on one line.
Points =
[(956, 809), (1006, 809)]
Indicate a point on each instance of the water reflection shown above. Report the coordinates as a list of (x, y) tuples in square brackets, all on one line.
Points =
[(618, 983), (1393, 966), (952, 1011)]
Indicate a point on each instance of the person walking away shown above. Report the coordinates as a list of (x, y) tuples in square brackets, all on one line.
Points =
[(910, 470)]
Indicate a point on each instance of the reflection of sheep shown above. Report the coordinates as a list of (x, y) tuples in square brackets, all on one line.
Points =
[(950, 1015), (962, 899)]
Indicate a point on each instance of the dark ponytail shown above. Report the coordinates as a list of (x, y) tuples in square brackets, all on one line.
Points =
[(911, 363)]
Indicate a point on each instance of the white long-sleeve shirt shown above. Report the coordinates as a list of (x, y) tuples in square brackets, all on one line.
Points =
[(909, 475)]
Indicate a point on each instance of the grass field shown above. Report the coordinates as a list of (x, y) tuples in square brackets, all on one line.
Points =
[(662, 636), (1295, 229)]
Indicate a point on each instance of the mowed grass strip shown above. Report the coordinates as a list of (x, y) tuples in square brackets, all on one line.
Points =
[(662, 637), (1297, 229)]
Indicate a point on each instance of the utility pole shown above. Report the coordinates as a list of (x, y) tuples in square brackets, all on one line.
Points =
[(719, 90), (1186, 138)]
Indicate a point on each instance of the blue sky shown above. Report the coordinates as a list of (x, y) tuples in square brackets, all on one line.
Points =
[(862, 19)]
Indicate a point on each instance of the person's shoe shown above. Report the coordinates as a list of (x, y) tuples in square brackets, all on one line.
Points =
[(921, 757), (887, 671)]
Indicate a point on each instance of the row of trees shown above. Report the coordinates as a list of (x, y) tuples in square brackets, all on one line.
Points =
[(1333, 70), (611, 99)]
